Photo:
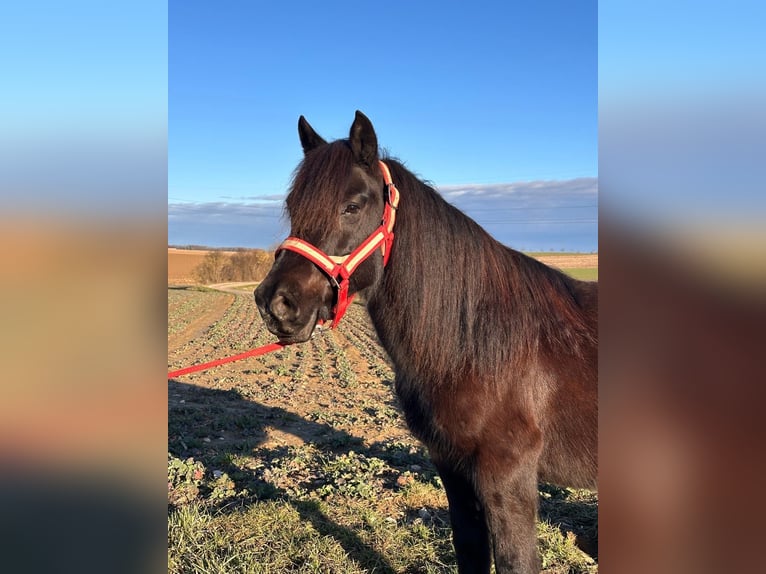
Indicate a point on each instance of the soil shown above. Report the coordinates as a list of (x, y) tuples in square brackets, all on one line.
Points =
[(335, 386)]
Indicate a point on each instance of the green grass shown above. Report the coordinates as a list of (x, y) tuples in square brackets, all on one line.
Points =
[(583, 273), (307, 509), (299, 536), (312, 511), (341, 536)]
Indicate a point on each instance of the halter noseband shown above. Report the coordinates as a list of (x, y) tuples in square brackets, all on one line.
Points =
[(340, 268)]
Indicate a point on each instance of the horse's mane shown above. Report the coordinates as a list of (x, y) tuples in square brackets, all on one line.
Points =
[(471, 304)]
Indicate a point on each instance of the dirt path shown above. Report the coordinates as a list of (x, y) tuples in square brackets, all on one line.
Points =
[(212, 313), (235, 287)]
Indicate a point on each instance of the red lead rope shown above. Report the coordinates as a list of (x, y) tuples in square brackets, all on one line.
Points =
[(204, 366)]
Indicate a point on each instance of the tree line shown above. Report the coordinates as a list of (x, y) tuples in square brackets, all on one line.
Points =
[(245, 265)]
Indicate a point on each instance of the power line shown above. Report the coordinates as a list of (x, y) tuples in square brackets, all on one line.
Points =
[(524, 208), (536, 221)]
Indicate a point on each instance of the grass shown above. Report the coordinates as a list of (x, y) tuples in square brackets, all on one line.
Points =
[(583, 273), (339, 533), (313, 511), (297, 536)]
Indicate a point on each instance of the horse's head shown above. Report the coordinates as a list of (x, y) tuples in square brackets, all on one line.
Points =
[(336, 203)]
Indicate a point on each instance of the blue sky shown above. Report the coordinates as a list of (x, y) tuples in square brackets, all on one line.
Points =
[(83, 107), (495, 103)]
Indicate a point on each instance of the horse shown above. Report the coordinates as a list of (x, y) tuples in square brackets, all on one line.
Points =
[(495, 354)]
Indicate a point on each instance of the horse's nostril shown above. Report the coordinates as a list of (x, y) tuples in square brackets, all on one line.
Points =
[(283, 306)]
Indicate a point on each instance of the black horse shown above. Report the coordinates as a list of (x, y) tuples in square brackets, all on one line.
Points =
[(495, 353)]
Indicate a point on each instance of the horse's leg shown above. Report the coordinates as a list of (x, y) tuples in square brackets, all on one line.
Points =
[(510, 495), (469, 526)]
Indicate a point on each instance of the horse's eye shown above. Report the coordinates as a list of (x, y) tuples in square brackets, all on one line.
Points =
[(351, 209)]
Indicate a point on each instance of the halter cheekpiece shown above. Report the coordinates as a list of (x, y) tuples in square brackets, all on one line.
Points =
[(340, 268)]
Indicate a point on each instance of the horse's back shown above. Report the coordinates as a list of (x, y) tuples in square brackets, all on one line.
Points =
[(586, 295)]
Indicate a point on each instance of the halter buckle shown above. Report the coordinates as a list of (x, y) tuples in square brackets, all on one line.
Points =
[(389, 194)]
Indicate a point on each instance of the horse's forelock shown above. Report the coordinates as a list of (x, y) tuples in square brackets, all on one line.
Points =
[(318, 181)]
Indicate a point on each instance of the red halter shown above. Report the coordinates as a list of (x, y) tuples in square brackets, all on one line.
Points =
[(340, 268)]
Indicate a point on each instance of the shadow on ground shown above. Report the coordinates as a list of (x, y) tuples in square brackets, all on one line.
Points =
[(235, 425), (213, 425)]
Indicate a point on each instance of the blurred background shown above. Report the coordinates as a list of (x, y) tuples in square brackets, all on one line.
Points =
[(83, 179), (683, 269)]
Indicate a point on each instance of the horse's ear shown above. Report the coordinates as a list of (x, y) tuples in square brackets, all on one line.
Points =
[(364, 142), (309, 138)]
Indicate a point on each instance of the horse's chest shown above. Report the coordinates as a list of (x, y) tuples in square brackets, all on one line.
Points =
[(445, 419), (418, 409)]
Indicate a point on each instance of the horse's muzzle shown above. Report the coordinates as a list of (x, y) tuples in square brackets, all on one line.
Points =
[(283, 315)]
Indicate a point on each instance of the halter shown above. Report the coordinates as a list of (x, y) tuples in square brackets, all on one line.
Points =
[(340, 268)]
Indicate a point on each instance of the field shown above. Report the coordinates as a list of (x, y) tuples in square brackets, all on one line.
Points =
[(300, 460)]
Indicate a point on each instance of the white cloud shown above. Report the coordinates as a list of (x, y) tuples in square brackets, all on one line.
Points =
[(535, 215), (526, 193)]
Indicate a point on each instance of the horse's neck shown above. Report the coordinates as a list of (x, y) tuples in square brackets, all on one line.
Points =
[(421, 293)]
